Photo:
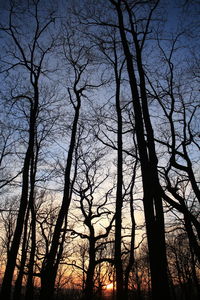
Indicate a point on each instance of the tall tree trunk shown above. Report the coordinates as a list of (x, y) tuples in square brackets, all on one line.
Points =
[(132, 243), (29, 286), (119, 194), (48, 273), (89, 284), (152, 200), (11, 262), (18, 282)]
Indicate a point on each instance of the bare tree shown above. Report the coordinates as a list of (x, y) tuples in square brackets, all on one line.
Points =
[(28, 57), (94, 212), (78, 58), (180, 110), (152, 198)]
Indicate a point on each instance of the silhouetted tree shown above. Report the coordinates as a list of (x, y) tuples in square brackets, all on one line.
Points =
[(28, 57)]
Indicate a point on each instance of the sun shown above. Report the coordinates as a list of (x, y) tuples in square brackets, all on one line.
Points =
[(109, 286)]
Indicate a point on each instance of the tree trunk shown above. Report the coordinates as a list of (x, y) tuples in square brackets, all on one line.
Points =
[(7, 281), (152, 200), (89, 284), (18, 282), (29, 286), (48, 272), (131, 260), (119, 197)]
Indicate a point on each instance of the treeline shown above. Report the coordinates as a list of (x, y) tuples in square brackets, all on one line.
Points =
[(100, 149)]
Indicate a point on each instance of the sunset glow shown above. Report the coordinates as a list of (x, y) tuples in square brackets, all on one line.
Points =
[(99, 150), (109, 286)]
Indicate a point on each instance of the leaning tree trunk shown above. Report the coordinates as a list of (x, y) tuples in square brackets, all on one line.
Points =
[(19, 280), (49, 271)]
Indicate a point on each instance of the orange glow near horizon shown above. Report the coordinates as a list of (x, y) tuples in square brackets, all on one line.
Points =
[(109, 286)]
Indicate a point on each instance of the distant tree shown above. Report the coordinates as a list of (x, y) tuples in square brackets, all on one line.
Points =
[(182, 267), (7, 150), (93, 213)]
